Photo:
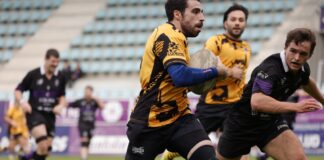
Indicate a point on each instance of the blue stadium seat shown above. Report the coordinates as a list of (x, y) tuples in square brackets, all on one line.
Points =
[(118, 35), (7, 55), (32, 29), (278, 18), (20, 42), (267, 19), (64, 55)]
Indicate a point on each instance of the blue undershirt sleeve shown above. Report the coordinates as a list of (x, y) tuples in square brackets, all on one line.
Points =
[(183, 76)]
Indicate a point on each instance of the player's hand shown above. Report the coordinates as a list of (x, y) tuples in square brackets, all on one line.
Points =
[(26, 107), (58, 109), (221, 69), (236, 72), (308, 105), (13, 124)]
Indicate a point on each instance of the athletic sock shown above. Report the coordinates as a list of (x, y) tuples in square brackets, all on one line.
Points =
[(39, 157)]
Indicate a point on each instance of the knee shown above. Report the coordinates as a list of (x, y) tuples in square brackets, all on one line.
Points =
[(205, 151), (299, 155), (85, 144), (42, 145)]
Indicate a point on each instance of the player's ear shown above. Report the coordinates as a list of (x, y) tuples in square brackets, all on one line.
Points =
[(177, 15), (225, 25)]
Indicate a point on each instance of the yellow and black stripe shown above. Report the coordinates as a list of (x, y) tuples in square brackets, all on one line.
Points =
[(160, 102), (231, 52)]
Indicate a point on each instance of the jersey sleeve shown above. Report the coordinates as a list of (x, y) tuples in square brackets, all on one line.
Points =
[(213, 45), (264, 81), (75, 104), (169, 50), (26, 83)]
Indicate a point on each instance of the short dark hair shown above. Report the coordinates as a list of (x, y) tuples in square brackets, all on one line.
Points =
[(235, 7), (52, 53), (172, 5), (89, 87), (299, 35)]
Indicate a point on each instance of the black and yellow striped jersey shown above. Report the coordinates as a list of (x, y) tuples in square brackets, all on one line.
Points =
[(160, 102), (231, 52)]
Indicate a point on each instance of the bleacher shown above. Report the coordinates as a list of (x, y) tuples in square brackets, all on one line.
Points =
[(114, 42), (20, 19)]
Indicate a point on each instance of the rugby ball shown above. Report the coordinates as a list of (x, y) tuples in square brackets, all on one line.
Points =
[(203, 59)]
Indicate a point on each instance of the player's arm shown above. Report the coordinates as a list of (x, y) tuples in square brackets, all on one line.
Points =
[(74, 104), (263, 103), (8, 120), (213, 44), (24, 85), (183, 76), (313, 90), (261, 100), (61, 98), (100, 104), (60, 106)]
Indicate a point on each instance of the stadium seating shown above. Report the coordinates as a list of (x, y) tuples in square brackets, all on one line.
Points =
[(114, 42), (20, 19)]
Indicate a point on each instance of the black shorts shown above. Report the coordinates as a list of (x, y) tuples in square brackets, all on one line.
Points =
[(86, 132), (212, 116), (36, 118), (15, 136), (243, 132), (180, 136)]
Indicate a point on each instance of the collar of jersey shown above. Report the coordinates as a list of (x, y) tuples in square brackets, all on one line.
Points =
[(235, 40), (42, 70), (175, 28), (284, 62)]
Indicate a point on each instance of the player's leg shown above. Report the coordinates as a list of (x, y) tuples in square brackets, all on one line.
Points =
[(84, 148), (39, 132), (24, 143), (85, 137), (286, 146), (191, 141), (195, 146), (144, 143), (11, 147), (237, 139)]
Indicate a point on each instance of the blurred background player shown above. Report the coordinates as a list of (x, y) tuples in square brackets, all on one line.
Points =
[(18, 131), (161, 118), (256, 119), (87, 107), (46, 98), (234, 53)]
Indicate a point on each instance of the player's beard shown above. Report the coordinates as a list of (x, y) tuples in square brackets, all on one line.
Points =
[(235, 35), (189, 31)]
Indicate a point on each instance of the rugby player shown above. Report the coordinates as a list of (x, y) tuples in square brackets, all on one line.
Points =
[(161, 118), (46, 86), (256, 119), (18, 131), (213, 106), (87, 118)]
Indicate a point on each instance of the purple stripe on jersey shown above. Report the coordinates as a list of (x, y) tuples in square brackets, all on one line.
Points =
[(42, 93), (261, 85)]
